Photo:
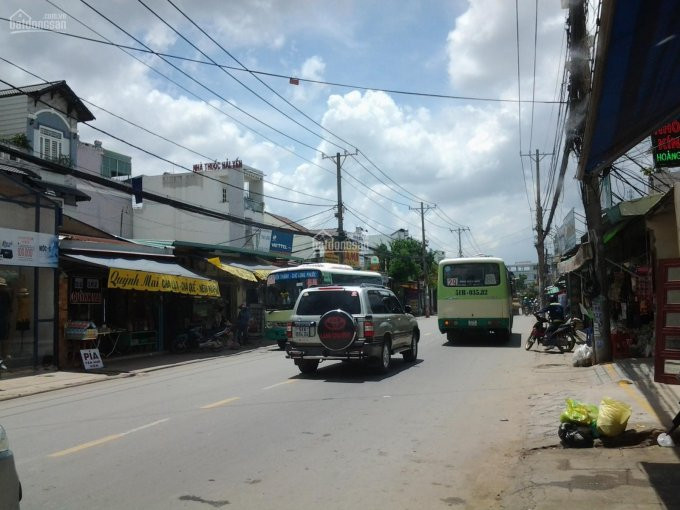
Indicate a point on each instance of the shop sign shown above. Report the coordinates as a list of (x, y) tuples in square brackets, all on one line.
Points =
[(26, 248), (217, 165), (129, 279), (264, 240), (85, 291), (666, 145), (91, 359), (281, 242)]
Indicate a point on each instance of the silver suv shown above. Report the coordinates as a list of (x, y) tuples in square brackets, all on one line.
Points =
[(350, 322)]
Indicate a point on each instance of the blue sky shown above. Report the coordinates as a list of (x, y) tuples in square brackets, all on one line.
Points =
[(461, 155)]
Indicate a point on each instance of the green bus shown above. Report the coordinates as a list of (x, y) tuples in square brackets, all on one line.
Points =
[(284, 286), (474, 295)]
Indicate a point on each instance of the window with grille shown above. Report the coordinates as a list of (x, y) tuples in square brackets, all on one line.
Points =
[(51, 146)]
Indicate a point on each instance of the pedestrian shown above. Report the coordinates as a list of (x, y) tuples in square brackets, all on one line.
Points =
[(242, 321)]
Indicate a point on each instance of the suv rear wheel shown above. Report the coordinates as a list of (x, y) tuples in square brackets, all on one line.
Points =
[(412, 354), (307, 366), (385, 360)]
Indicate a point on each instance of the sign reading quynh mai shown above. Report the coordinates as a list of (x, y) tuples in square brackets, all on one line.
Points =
[(129, 279), (217, 165), (666, 144)]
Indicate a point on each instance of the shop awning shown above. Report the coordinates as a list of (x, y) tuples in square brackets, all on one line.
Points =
[(151, 275), (238, 272), (583, 255), (261, 271)]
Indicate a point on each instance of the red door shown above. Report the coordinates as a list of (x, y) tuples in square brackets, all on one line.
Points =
[(667, 356)]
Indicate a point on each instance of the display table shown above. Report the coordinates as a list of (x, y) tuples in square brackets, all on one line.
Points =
[(137, 339)]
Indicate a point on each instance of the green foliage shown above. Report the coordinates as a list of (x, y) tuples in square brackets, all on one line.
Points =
[(404, 263), (18, 140)]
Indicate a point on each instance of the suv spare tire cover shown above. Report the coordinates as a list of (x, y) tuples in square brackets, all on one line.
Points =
[(337, 330)]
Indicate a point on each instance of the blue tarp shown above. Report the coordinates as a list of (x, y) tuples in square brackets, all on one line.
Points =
[(636, 86)]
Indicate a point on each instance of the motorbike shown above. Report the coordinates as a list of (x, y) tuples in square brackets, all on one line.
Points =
[(194, 339), (564, 337)]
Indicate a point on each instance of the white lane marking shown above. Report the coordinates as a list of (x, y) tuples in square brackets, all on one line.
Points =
[(289, 381), (220, 403), (103, 440)]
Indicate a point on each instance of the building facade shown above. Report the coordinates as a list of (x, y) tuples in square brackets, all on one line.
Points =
[(235, 190)]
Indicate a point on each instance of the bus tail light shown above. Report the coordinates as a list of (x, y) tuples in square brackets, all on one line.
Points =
[(289, 329)]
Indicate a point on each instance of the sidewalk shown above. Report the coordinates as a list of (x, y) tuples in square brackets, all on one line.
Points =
[(31, 382), (630, 471)]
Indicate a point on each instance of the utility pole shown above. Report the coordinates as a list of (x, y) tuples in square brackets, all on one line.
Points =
[(460, 246), (341, 231), (540, 232), (579, 87), (423, 210)]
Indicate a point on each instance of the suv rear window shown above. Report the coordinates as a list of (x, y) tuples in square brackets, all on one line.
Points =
[(320, 302)]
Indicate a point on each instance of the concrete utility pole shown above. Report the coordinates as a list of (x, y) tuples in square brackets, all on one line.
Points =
[(579, 88), (540, 237), (460, 246), (341, 231), (540, 232), (423, 210)]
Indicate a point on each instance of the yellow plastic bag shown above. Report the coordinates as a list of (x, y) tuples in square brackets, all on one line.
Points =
[(579, 413), (613, 417)]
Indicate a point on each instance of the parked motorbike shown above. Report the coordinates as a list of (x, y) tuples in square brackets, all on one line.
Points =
[(564, 337), (194, 339)]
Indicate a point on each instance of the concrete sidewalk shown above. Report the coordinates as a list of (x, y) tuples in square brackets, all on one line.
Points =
[(627, 472), (22, 383)]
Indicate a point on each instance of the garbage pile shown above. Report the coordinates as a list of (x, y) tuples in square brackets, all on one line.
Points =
[(581, 424)]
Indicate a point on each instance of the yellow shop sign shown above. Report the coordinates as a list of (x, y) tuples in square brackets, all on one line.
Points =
[(128, 279)]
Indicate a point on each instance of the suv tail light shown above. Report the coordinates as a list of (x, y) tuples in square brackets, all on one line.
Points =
[(289, 329), (369, 332)]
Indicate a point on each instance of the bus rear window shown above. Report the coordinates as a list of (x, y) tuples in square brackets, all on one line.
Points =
[(479, 274)]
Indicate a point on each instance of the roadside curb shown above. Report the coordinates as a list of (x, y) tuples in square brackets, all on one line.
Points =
[(95, 376)]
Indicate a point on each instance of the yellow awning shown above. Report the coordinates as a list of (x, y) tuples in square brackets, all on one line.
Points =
[(262, 273), (244, 274)]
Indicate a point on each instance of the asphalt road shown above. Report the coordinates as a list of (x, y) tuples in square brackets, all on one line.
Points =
[(249, 431)]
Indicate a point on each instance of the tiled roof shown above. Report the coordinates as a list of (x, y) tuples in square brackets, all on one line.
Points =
[(39, 89)]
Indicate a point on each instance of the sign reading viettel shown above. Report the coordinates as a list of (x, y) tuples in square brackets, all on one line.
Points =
[(666, 145)]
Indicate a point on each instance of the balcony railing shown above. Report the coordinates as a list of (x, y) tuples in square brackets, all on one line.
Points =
[(253, 205)]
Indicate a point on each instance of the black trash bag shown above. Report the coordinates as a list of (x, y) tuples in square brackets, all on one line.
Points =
[(575, 436)]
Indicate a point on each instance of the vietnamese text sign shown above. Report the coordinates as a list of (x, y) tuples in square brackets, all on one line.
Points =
[(26, 248), (666, 144), (129, 279), (281, 242), (91, 359)]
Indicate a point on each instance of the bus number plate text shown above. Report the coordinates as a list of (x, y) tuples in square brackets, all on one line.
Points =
[(472, 292)]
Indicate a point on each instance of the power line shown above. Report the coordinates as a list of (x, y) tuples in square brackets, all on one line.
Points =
[(255, 75), (158, 156), (189, 42), (519, 110), (227, 72), (275, 75), (202, 84), (533, 83), (181, 87)]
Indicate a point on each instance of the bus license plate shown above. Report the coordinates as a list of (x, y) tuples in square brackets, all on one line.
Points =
[(301, 330), (472, 323)]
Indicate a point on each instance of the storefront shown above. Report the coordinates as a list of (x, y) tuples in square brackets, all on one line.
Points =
[(28, 262), (136, 304)]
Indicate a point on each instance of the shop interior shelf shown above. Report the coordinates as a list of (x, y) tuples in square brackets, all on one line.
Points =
[(137, 338)]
